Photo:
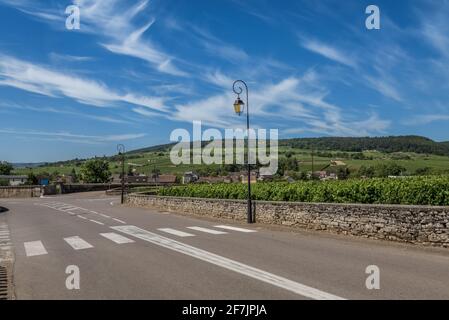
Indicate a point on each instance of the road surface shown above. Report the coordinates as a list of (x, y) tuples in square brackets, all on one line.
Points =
[(135, 253)]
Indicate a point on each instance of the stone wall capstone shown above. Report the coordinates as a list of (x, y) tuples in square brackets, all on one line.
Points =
[(426, 225)]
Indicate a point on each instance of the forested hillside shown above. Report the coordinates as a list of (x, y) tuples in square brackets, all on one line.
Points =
[(389, 144)]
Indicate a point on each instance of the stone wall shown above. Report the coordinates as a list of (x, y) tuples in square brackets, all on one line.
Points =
[(20, 192), (427, 225)]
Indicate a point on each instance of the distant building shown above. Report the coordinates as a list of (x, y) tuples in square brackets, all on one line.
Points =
[(211, 179), (266, 177), (253, 177), (14, 180), (189, 177), (137, 179), (166, 178), (43, 180), (337, 163), (233, 177)]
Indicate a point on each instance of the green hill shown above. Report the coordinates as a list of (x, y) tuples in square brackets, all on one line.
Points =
[(389, 144)]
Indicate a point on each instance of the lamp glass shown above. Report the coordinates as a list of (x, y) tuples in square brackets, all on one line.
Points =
[(238, 106)]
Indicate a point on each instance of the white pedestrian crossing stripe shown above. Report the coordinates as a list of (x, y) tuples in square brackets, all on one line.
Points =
[(34, 248), (176, 232), (235, 228), (206, 230), (97, 222), (226, 263), (117, 238), (77, 243)]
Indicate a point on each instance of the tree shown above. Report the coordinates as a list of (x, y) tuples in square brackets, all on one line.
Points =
[(5, 168), (74, 176), (32, 179), (95, 171)]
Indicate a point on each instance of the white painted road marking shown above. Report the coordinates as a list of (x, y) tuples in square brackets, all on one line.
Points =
[(84, 218), (34, 248), (226, 263), (118, 220), (117, 238), (98, 222), (211, 231), (176, 232), (77, 243), (104, 215), (235, 229)]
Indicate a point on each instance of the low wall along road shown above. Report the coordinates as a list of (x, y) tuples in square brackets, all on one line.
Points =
[(20, 192), (427, 225)]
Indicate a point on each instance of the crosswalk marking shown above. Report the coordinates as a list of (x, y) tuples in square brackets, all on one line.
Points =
[(77, 243), (97, 222), (117, 238), (118, 220), (206, 230), (235, 228), (34, 248), (244, 269), (67, 208), (176, 232)]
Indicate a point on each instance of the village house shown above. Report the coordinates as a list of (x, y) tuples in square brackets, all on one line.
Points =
[(14, 180)]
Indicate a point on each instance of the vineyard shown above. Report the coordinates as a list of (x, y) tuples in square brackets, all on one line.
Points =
[(413, 190)]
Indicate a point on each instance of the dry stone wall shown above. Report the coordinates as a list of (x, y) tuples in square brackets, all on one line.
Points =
[(427, 225)]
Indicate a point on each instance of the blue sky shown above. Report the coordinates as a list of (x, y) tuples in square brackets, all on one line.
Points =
[(136, 70)]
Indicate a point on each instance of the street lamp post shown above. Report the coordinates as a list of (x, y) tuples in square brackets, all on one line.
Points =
[(238, 108), (121, 151)]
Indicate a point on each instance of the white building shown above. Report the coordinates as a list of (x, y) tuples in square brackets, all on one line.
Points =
[(14, 180)]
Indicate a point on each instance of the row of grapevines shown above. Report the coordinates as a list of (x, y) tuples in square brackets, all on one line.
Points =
[(414, 190)]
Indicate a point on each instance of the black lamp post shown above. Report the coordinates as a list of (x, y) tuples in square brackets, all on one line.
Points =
[(239, 106), (121, 152)]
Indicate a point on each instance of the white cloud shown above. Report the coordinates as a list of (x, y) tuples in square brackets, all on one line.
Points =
[(217, 47), (37, 79), (328, 52), (72, 136), (384, 86), (288, 100), (423, 119), (113, 23), (102, 118)]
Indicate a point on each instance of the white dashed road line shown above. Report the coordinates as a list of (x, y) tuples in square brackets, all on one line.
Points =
[(77, 243), (235, 229), (97, 222), (118, 220), (176, 232), (226, 263), (34, 248), (206, 230)]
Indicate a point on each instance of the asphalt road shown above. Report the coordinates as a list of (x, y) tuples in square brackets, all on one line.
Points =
[(134, 253)]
